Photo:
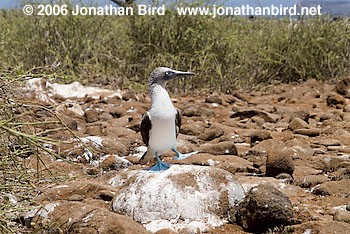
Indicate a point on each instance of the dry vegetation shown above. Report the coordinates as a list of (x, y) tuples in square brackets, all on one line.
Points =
[(226, 53), (22, 136)]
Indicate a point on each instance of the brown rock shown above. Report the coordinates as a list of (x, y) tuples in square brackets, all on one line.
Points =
[(73, 110), (70, 122), (207, 112), (347, 108), (193, 129), (261, 148), (166, 231), (77, 217), (229, 163), (318, 227), (264, 207), (335, 188), (232, 99), (114, 146), (191, 110), (213, 99), (341, 173), (310, 180), (346, 116), (334, 99), (343, 87), (249, 113), (301, 171), (129, 95), (291, 113), (312, 132), (259, 135), (297, 123), (106, 195), (211, 133), (220, 148), (117, 132), (104, 116), (93, 130), (329, 142), (342, 216), (325, 116), (114, 162), (91, 170), (91, 116), (279, 161), (285, 178), (74, 190), (240, 95), (334, 227), (113, 111)]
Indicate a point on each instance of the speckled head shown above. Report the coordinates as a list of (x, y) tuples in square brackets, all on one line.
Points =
[(162, 74)]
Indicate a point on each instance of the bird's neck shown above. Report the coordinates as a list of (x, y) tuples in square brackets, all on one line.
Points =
[(160, 97)]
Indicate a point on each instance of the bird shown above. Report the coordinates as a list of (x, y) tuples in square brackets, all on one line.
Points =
[(161, 124)]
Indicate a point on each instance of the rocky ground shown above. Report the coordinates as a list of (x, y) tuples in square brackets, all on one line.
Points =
[(266, 159)]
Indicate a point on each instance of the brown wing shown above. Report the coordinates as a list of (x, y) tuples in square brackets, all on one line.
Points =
[(178, 122), (145, 127)]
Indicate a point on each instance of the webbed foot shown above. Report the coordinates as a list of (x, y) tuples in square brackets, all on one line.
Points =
[(160, 166), (181, 156)]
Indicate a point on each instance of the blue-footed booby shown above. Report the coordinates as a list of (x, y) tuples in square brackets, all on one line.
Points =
[(160, 125)]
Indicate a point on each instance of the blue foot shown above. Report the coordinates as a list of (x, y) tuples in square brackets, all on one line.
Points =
[(181, 156), (160, 166)]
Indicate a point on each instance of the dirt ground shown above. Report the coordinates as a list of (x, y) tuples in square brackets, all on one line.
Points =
[(295, 137)]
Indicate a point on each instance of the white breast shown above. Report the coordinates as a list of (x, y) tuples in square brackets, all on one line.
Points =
[(162, 113)]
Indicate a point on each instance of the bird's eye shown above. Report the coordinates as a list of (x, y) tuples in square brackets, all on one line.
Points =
[(167, 73)]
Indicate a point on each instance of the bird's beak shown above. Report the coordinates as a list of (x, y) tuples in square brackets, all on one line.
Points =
[(173, 73)]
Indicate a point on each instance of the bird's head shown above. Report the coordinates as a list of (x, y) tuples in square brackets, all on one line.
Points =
[(162, 74)]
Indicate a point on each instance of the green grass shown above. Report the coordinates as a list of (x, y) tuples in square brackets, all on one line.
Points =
[(226, 53)]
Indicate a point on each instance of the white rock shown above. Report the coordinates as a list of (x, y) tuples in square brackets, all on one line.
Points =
[(185, 196), (44, 90)]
